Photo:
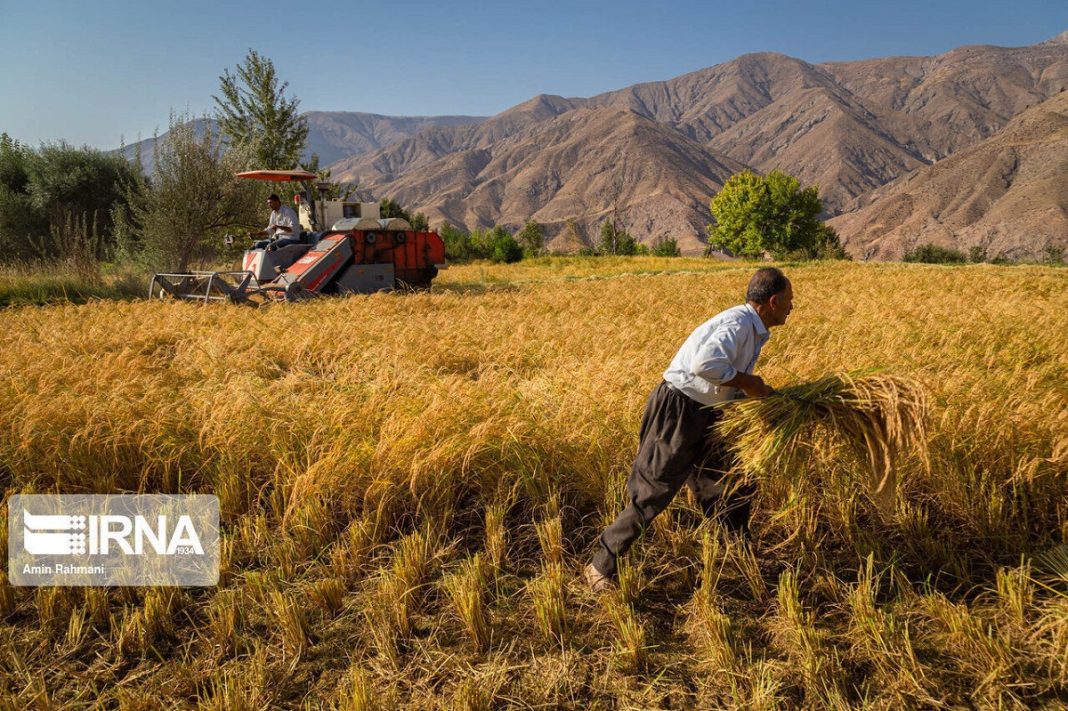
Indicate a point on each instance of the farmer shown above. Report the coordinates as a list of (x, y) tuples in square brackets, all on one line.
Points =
[(283, 227), (714, 365)]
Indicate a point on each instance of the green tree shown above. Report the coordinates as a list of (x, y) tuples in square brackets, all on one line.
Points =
[(254, 115), (45, 193), (389, 208), (532, 239), (503, 246), (666, 247), (828, 246), (773, 213), (20, 221), (192, 198), (496, 244), (933, 254), (419, 222), (616, 241), (457, 243), (81, 184)]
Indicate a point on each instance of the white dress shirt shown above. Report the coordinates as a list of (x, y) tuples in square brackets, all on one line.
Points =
[(717, 349), (285, 217)]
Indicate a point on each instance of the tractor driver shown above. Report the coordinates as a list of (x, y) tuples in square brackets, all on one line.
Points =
[(283, 227)]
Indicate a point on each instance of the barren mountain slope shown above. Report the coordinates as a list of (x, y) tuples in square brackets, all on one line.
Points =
[(1008, 194), (424, 148), (704, 103), (335, 135), (772, 111), (586, 164), (847, 127), (332, 135), (957, 98), (851, 126)]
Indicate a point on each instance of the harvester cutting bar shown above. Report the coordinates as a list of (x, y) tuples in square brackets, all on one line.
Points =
[(235, 287)]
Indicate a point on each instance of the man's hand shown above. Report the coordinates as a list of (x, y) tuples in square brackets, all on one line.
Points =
[(751, 385)]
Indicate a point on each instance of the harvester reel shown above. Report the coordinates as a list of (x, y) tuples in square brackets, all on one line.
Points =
[(235, 287)]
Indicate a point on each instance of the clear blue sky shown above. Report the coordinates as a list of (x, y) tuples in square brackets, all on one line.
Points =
[(91, 72)]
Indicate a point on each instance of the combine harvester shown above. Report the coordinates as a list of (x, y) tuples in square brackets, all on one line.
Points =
[(359, 254)]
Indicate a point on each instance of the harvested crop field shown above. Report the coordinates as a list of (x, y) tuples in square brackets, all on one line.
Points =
[(411, 484)]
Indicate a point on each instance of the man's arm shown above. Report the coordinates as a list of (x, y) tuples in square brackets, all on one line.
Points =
[(276, 225), (751, 385), (265, 232), (716, 361), (284, 223)]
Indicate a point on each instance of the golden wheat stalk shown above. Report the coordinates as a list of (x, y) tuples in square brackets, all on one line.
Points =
[(880, 419)]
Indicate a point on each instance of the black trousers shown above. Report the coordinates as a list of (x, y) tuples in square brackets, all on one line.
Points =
[(675, 448)]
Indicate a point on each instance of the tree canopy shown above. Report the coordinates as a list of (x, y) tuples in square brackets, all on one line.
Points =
[(254, 114), (617, 241), (49, 188), (532, 239), (666, 247), (496, 244), (773, 213), (192, 198), (388, 207)]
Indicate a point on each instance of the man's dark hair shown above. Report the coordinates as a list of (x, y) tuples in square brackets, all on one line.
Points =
[(274, 197), (766, 283)]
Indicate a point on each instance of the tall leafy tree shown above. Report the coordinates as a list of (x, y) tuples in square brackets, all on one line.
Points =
[(532, 239), (53, 187), (458, 246), (617, 241), (20, 220), (254, 114), (503, 246), (666, 247), (387, 207), (192, 198), (773, 213)]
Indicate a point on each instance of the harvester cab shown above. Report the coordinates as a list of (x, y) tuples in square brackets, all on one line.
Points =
[(343, 247)]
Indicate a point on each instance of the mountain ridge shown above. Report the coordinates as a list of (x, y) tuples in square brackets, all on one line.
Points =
[(1006, 196), (847, 127), (851, 128), (332, 135)]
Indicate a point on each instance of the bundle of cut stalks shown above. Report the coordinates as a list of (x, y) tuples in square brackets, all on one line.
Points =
[(877, 419)]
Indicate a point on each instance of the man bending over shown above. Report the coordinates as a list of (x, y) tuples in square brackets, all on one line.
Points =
[(676, 444)]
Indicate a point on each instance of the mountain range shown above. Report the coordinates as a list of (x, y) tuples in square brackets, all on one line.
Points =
[(1005, 196), (332, 135), (964, 149)]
